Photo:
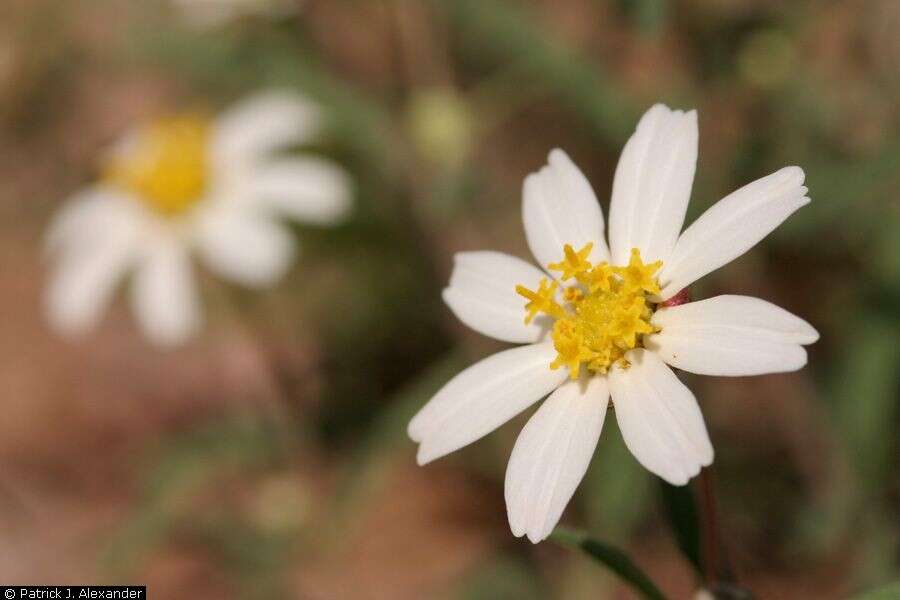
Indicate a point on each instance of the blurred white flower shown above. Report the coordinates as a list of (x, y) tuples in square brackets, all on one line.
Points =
[(185, 184), (212, 13), (600, 325)]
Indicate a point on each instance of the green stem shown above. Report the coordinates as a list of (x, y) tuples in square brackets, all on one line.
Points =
[(616, 560)]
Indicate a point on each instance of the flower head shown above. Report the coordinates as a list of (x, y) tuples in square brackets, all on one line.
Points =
[(612, 325), (166, 164), (604, 318), (183, 184)]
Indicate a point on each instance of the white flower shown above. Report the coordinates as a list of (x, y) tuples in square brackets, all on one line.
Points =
[(212, 13), (185, 184), (602, 329)]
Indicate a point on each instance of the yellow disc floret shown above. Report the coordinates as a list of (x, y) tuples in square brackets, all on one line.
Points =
[(603, 316), (637, 276), (165, 165), (541, 301), (575, 263)]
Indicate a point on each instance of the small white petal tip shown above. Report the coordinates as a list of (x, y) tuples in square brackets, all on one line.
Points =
[(537, 537), (426, 454), (558, 155), (414, 430), (793, 173), (811, 335)]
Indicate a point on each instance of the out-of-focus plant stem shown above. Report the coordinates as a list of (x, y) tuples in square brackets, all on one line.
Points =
[(717, 570), (708, 528), (613, 558), (683, 514)]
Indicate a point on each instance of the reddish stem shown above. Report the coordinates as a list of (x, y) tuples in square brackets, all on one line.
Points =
[(708, 528), (682, 297)]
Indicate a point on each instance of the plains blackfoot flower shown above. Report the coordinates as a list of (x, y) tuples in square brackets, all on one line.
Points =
[(190, 184), (596, 323)]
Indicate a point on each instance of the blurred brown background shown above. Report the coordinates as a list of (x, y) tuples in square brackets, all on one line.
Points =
[(268, 458)]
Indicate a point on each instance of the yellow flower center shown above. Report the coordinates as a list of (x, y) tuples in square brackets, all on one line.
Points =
[(601, 317), (167, 165)]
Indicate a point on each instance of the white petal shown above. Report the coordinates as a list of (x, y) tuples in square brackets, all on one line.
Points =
[(163, 293), (483, 397), (732, 226), (559, 207), (482, 294), (310, 190), (552, 455), (89, 218), (731, 335), (659, 418), (262, 124), (245, 247), (82, 283), (652, 185)]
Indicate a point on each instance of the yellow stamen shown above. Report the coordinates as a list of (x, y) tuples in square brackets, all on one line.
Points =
[(573, 294), (637, 275), (598, 278), (541, 300), (166, 164), (603, 316), (574, 263), (568, 339)]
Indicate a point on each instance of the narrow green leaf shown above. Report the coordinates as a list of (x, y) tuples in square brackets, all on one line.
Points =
[(616, 560), (681, 512), (888, 592)]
